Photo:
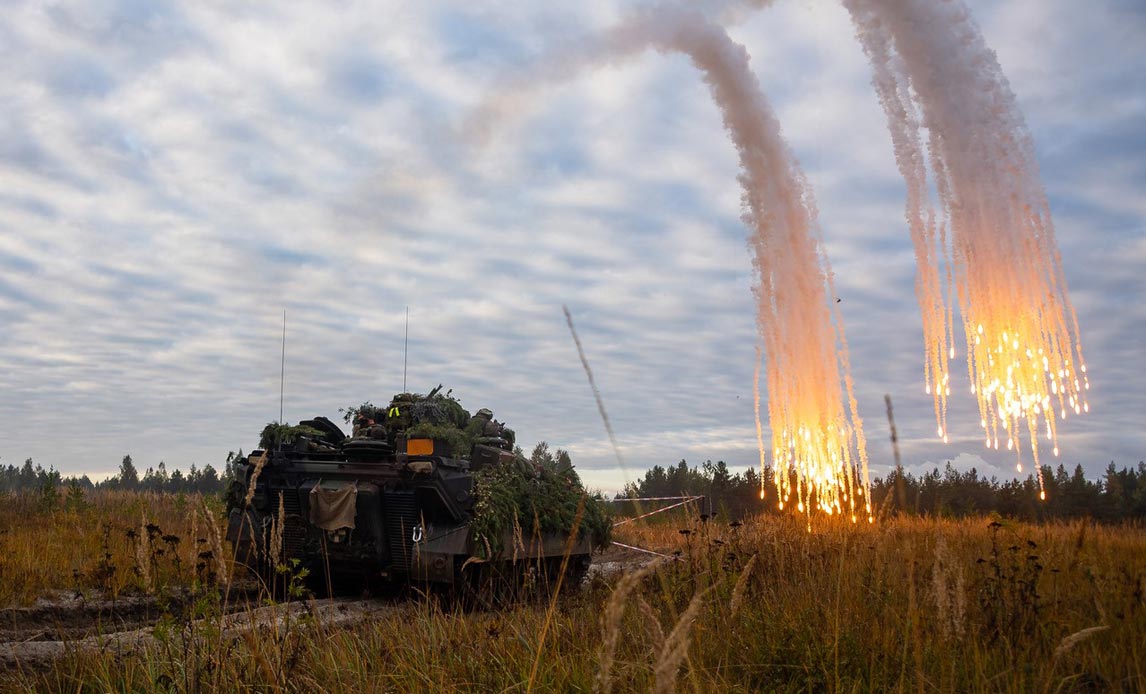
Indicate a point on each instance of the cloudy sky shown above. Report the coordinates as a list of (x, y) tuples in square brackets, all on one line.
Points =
[(173, 176)]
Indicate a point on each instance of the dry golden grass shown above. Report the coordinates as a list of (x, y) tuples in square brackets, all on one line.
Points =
[(909, 604), (904, 605), (106, 545), (611, 622)]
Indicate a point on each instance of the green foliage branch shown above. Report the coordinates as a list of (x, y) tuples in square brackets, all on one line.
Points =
[(275, 434), (541, 494), (458, 440)]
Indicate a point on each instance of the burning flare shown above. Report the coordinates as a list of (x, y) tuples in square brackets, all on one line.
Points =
[(991, 248), (818, 447)]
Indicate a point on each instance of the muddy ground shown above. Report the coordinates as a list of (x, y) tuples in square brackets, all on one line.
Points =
[(36, 636)]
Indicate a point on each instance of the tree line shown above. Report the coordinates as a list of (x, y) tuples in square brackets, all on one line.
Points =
[(31, 477), (1119, 495)]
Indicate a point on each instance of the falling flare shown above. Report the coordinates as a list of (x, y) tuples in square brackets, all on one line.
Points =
[(756, 412), (992, 250), (818, 448)]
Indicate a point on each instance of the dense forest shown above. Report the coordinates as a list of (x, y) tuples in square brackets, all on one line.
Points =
[(1119, 495)]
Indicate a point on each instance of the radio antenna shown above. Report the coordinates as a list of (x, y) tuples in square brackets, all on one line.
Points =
[(282, 371), (405, 349)]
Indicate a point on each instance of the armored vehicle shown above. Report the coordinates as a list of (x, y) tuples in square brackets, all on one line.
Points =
[(395, 502)]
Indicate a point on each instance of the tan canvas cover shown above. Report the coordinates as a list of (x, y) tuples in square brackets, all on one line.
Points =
[(333, 508)]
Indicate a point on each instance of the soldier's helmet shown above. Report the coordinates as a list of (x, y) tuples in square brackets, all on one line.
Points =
[(485, 412)]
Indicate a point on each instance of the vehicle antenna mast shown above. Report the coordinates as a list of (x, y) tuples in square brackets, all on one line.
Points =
[(405, 349), (282, 371)]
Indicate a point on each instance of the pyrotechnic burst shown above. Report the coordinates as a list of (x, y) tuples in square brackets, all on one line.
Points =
[(990, 248), (818, 449), (1001, 264)]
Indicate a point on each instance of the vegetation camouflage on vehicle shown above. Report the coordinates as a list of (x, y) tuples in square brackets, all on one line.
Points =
[(275, 434), (538, 495), (419, 490)]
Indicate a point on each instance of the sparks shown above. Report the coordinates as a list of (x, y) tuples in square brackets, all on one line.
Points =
[(990, 250), (818, 448)]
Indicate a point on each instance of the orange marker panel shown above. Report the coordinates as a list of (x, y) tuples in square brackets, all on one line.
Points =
[(420, 447)]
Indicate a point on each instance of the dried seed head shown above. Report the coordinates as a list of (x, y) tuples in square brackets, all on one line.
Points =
[(651, 619), (741, 586), (1074, 639), (276, 548), (143, 554), (216, 538), (259, 463), (676, 646), (611, 622)]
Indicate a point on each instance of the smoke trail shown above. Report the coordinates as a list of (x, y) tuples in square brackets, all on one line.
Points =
[(931, 254), (817, 443), (1024, 360), (512, 96), (815, 439), (818, 447), (756, 415)]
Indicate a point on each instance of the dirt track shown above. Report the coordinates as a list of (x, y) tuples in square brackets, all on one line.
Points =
[(71, 618), (34, 637), (36, 643)]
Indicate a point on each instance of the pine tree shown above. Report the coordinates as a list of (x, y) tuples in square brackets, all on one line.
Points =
[(128, 476), (74, 501)]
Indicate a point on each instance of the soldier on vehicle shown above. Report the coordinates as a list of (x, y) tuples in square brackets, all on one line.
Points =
[(481, 422), (399, 415), (366, 427), (487, 430), (361, 422)]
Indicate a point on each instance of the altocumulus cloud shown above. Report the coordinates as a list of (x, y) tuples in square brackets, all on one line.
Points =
[(173, 176)]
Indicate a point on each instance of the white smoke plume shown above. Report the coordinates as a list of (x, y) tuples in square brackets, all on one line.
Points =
[(1024, 360), (987, 247), (815, 435), (817, 438)]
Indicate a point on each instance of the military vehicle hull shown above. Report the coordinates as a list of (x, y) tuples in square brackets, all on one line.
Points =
[(356, 510)]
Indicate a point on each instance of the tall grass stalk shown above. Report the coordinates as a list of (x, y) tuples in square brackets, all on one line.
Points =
[(143, 554), (675, 648), (611, 623), (216, 538), (570, 542), (741, 586)]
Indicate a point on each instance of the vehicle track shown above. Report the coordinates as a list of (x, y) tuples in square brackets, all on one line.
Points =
[(37, 645), (35, 637)]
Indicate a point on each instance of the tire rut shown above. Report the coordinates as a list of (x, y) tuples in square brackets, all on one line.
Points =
[(325, 613)]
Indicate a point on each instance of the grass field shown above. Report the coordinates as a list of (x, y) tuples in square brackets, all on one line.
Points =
[(767, 605), (112, 542)]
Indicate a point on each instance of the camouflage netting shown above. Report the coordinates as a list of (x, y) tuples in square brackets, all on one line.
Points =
[(535, 496), (275, 433), (442, 410), (349, 414), (458, 441), (434, 416)]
